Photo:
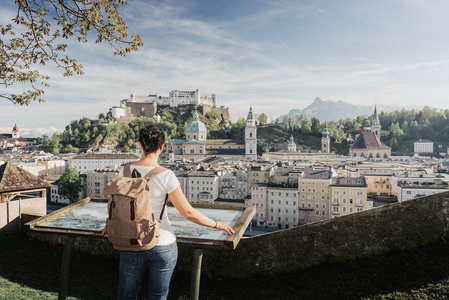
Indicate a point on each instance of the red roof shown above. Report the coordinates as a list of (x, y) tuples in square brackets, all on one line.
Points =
[(16, 129)]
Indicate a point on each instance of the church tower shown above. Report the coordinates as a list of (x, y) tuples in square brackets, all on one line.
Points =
[(15, 132), (291, 146), (251, 136), (375, 125), (325, 140)]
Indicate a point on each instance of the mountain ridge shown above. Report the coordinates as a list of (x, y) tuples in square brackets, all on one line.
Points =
[(335, 110)]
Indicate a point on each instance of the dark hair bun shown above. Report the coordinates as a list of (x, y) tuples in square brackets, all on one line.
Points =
[(151, 137)]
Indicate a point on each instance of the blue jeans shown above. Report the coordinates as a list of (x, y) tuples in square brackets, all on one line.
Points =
[(161, 261)]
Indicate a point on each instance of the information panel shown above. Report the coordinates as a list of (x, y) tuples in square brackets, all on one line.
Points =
[(88, 217)]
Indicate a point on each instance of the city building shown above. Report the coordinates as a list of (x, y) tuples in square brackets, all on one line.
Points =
[(378, 182), (423, 146), (233, 185), (54, 194), (282, 207), (258, 174), (314, 194), (33, 167), (408, 185), (258, 199), (54, 167), (97, 179), (90, 162), (203, 186), (348, 195), (368, 144), (196, 146), (13, 139)]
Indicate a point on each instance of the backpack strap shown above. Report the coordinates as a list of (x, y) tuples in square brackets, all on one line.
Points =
[(156, 171), (163, 208), (127, 170)]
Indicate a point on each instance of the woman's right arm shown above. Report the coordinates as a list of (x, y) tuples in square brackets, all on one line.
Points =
[(187, 211)]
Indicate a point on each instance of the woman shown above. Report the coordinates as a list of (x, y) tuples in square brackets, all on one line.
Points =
[(161, 259)]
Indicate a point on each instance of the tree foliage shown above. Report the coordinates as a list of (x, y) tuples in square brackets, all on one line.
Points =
[(36, 37), (263, 119), (69, 184)]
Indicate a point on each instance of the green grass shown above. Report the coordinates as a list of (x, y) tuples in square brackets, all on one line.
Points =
[(29, 269)]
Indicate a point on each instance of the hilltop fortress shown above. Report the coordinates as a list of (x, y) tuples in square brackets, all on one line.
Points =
[(146, 106)]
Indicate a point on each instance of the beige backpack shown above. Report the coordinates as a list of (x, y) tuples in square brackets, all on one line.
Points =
[(131, 224)]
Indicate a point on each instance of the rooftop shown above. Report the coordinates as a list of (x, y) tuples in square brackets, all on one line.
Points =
[(317, 174), (107, 156), (366, 140), (349, 182), (225, 142), (14, 178)]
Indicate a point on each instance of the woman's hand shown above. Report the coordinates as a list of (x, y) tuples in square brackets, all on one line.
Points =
[(104, 232), (225, 227)]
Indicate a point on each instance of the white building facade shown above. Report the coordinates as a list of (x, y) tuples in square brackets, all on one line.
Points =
[(423, 146), (90, 162), (282, 207)]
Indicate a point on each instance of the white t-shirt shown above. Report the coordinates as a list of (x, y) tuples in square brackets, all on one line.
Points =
[(162, 184)]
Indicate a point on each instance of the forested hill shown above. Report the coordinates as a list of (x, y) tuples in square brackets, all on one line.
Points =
[(85, 133), (399, 129)]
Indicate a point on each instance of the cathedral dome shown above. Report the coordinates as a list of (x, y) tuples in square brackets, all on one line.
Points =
[(196, 124)]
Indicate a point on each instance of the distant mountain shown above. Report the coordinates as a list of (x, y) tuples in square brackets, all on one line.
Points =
[(329, 110)]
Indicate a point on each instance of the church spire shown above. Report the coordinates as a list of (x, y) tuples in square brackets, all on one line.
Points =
[(325, 132), (250, 113), (376, 117)]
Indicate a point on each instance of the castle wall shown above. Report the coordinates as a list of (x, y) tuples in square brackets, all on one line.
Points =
[(224, 112), (141, 109), (399, 226)]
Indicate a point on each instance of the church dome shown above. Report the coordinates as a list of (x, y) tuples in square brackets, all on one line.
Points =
[(292, 142), (196, 124)]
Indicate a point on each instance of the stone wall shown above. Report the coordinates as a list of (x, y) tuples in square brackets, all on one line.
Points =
[(9, 212), (224, 112), (141, 109), (399, 226)]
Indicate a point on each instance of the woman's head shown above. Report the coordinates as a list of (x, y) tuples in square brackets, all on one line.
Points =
[(151, 138)]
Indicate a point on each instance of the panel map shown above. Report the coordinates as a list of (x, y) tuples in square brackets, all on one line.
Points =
[(92, 217)]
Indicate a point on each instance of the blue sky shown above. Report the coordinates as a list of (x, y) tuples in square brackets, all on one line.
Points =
[(276, 55)]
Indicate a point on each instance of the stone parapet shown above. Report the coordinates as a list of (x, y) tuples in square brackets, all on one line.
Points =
[(399, 226)]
